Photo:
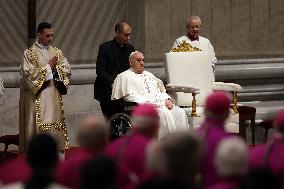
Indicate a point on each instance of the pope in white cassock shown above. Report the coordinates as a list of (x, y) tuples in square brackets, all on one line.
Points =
[(140, 86)]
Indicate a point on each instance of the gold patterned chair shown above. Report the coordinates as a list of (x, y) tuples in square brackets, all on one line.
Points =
[(191, 79)]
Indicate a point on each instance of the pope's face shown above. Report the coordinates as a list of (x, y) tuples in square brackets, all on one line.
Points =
[(193, 27), (137, 63), (45, 36)]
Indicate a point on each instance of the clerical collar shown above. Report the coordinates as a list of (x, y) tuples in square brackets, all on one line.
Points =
[(42, 46), (119, 44), (191, 37)]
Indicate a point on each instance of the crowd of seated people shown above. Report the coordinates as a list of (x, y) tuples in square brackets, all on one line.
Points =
[(208, 158)]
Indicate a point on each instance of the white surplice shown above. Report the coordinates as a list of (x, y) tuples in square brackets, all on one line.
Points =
[(202, 43), (146, 88)]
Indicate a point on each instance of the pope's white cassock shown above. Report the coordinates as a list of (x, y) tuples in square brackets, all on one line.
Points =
[(146, 88)]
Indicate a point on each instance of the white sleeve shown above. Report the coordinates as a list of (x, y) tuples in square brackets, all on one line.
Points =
[(212, 54), (175, 45), (165, 96), (49, 75), (135, 98)]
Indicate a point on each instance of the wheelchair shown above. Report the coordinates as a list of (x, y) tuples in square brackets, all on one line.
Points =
[(120, 122)]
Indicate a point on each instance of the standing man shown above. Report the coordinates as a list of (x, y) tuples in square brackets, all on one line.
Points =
[(112, 59), (45, 75), (211, 132), (192, 37), (92, 138)]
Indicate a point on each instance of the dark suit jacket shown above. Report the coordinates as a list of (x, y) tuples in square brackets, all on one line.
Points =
[(112, 59)]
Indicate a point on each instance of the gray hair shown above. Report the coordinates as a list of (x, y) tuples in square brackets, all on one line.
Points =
[(175, 156), (190, 18), (231, 157), (142, 122), (92, 131), (132, 54)]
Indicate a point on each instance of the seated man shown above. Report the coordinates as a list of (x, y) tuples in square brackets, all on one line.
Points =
[(140, 86)]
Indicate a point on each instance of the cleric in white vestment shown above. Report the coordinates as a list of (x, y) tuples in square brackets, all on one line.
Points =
[(45, 75), (195, 40), (140, 86)]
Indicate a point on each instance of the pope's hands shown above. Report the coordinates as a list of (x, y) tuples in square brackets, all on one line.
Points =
[(169, 104)]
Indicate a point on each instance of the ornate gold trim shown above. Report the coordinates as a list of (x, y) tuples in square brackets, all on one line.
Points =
[(185, 47), (193, 107), (33, 58), (59, 67), (235, 100), (45, 127)]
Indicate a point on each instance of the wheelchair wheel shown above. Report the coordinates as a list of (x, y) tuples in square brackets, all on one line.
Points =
[(119, 125)]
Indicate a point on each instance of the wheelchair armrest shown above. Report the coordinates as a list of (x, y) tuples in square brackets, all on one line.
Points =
[(232, 87), (182, 88)]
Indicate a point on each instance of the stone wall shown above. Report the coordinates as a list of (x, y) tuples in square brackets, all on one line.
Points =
[(236, 28)]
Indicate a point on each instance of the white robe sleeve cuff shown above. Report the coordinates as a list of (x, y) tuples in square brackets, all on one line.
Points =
[(49, 75), (135, 98)]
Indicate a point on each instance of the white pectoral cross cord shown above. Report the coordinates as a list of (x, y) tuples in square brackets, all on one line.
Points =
[(146, 83)]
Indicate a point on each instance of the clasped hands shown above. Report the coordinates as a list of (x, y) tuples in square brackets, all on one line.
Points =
[(169, 104), (52, 62)]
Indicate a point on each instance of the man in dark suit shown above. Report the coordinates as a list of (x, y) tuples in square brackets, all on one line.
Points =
[(112, 59)]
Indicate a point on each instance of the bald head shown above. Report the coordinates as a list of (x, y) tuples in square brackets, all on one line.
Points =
[(91, 121), (93, 132), (175, 156), (231, 157)]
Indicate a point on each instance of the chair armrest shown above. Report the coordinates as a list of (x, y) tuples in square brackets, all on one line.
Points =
[(226, 86), (182, 88)]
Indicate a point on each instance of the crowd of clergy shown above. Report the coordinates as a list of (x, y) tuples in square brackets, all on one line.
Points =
[(206, 158)]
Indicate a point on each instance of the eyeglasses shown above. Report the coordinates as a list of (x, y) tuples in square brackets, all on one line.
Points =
[(140, 60), (127, 34)]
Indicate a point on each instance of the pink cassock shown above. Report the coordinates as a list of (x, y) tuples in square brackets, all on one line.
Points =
[(16, 170), (228, 183), (211, 133), (275, 158), (68, 173), (130, 152)]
